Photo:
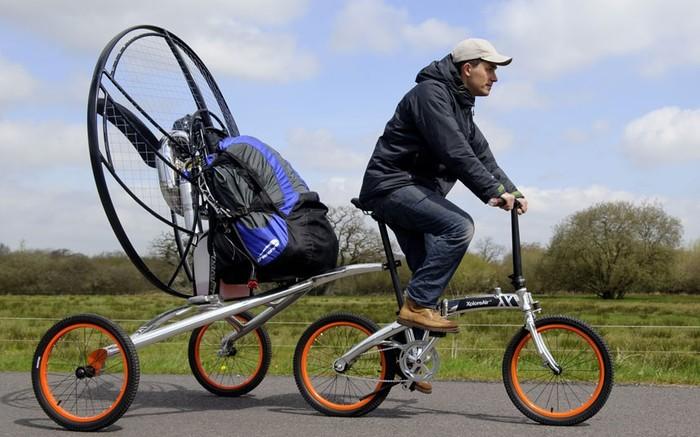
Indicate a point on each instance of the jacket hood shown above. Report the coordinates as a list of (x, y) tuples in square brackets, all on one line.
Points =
[(445, 71)]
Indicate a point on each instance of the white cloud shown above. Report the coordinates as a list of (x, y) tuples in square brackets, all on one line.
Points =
[(549, 204), (16, 83), (499, 138), (669, 134), (587, 133), (54, 218), (48, 193), (515, 95), (553, 36), (548, 207), (57, 216), (247, 52), (235, 37), (28, 145), (378, 27), (432, 33), (319, 151), (337, 191)]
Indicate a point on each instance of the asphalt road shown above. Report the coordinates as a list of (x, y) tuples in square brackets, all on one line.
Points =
[(177, 406)]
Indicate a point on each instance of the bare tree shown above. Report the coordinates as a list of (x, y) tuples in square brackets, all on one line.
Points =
[(357, 241), (164, 247), (488, 250)]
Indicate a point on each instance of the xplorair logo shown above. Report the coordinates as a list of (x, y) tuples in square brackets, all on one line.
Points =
[(466, 303), (268, 249), (476, 303)]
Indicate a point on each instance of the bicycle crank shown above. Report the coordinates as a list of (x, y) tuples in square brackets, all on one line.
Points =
[(419, 360)]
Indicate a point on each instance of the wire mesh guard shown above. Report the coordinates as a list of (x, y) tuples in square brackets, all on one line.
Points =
[(146, 84)]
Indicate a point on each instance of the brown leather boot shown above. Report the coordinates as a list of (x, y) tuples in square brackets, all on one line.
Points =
[(423, 387), (416, 316)]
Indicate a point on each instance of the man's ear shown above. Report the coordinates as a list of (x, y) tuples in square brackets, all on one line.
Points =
[(467, 69)]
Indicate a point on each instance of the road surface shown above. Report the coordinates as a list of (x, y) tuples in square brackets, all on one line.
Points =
[(171, 406)]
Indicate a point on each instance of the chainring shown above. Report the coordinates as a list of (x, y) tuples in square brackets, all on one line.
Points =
[(419, 361)]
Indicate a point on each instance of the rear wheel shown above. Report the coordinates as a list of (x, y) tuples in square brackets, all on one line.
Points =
[(357, 390), (231, 369), (85, 372), (578, 392)]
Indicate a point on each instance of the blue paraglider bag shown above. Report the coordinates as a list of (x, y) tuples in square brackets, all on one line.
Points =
[(268, 217)]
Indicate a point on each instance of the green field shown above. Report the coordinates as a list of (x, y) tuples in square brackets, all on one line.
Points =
[(653, 338)]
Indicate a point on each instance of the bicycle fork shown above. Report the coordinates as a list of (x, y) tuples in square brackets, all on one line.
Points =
[(529, 308)]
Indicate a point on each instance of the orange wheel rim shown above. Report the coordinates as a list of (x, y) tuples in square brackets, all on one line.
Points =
[(96, 355), (205, 373), (548, 413), (307, 379)]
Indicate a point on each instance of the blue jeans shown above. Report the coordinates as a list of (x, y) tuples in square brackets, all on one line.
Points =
[(433, 233)]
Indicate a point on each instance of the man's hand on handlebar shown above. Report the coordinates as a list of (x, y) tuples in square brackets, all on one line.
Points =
[(521, 204), (507, 201)]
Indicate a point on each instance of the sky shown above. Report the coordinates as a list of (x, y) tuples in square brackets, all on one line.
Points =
[(601, 102)]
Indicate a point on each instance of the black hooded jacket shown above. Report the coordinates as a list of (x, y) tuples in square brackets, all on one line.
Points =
[(432, 140)]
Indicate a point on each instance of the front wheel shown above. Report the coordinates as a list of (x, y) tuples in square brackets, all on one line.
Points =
[(574, 395), (358, 389), (85, 372)]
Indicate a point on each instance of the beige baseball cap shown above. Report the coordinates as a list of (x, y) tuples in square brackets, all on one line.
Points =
[(476, 48)]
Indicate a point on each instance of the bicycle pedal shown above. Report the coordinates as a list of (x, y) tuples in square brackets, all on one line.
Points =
[(437, 334)]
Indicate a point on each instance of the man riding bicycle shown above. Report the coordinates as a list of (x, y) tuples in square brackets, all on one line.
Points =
[(429, 143)]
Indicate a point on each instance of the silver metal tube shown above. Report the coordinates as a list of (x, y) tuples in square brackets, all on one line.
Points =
[(186, 202), (368, 343), (542, 349), (261, 318), (190, 323), (526, 303), (427, 348), (164, 317), (168, 178)]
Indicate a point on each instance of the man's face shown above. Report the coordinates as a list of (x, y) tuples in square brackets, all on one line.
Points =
[(480, 78)]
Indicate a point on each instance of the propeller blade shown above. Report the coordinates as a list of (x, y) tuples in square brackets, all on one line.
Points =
[(132, 127)]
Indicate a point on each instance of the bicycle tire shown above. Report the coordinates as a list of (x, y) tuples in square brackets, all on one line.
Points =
[(240, 369), (76, 382), (354, 392), (573, 396)]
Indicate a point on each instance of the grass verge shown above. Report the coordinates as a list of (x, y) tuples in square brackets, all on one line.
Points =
[(653, 338)]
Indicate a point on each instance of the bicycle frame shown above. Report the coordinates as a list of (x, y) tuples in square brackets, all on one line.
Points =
[(211, 308), (521, 299)]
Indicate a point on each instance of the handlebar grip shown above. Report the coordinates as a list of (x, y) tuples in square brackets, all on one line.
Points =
[(499, 201)]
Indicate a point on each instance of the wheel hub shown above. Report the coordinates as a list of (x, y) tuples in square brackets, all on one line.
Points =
[(85, 372), (228, 352)]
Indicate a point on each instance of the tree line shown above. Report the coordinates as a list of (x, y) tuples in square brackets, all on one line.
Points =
[(609, 250)]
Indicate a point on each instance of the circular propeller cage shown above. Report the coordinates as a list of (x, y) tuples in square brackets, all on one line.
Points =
[(151, 103)]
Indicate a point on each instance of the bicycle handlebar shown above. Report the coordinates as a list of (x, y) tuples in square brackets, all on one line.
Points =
[(499, 201), (517, 278)]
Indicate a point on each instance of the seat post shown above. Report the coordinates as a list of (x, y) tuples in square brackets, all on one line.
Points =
[(391, 262)]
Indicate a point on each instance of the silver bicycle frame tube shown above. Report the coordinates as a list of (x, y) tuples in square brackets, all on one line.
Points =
[(255, 322), (214, 312), (521, 299), (373, 340)]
